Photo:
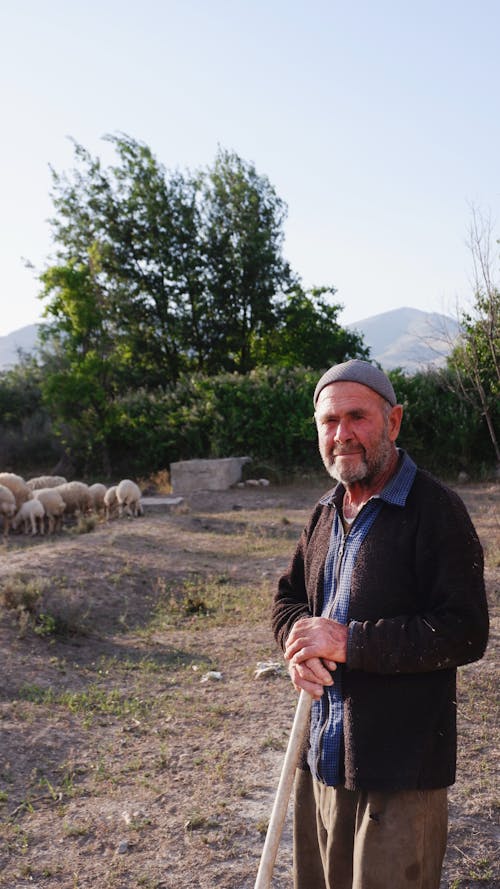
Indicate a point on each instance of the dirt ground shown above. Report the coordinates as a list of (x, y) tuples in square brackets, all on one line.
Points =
[(138, 746)]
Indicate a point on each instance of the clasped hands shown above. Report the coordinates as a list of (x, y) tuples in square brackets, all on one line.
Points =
[(313, 649)]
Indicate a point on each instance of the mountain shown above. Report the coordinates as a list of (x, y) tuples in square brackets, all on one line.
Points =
[(24, 338), (408, 338)]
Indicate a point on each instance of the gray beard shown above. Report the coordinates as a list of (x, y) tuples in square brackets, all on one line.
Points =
[(367, 469)]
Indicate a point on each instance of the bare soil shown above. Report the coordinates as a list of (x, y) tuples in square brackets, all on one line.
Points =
[(138, 748)]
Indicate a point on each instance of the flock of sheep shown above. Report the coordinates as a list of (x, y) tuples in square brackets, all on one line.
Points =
[(41, 503)]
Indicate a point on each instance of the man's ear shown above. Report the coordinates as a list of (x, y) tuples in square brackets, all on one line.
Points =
[(395, 418)]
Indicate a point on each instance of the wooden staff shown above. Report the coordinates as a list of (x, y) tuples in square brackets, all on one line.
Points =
[(278, 814)]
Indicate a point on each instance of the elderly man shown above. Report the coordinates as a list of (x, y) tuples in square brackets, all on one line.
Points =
[(383, 599)]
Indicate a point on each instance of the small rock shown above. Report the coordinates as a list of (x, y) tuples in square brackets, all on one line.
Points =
[(123, 847), (268, 668), (211, 675), (131, 817)]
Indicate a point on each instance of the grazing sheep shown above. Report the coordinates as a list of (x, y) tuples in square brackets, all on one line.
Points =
[(128, 495), (30, 513), (45, 481), (110, 502), (17, 485), (53, 505), (97, 492), (7, 507), (76, 496)]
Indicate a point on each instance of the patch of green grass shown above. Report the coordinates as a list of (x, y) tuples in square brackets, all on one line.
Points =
[(45, 625), (198, 821), (16, 839), (22, 595), (94, 701), (272, 743), (76, 829), (43, 606), (199, 601), (149, 665)]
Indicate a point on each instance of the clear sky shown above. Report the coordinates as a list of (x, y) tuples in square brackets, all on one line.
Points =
[(377, 123)]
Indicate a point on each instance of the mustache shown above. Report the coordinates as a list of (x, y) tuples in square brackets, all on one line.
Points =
[(347, 451)]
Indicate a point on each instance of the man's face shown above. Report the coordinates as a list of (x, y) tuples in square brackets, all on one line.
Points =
[(357, 429)]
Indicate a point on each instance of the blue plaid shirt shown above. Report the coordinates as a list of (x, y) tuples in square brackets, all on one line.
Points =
[(326, 755)]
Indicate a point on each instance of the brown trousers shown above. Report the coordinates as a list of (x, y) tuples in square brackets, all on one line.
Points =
[(346, 839)]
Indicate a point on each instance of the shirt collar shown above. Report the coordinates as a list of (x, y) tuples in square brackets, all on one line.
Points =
[(396, 490)]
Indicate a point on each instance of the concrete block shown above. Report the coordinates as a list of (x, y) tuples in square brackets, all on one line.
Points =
[(187, 476)]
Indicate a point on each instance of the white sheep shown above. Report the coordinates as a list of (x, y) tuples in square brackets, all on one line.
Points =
[(76, 496), (45, 481), (128, 495), (97, 492), (31, 513), (17, 485), (7, 507), (53, 505), (110, 502)]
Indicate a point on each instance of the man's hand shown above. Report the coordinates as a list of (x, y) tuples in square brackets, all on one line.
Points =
[(317, 638), (311, 675)]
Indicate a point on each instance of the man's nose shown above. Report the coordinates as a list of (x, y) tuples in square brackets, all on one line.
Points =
[(343, 431)]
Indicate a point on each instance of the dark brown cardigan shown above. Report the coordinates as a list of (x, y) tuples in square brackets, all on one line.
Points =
[(418, 600)]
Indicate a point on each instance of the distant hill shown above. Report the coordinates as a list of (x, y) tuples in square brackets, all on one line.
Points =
[(24, 338), (408, 338)]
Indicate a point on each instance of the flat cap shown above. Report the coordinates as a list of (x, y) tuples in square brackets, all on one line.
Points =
[(357, 371)]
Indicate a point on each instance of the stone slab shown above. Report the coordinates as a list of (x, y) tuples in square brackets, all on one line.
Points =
[(160, 502), (187, 476)]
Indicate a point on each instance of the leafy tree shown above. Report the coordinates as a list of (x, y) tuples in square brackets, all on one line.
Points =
[(160, 274), (78, 379), (307, 333), (475, 361), (190, 265), (143, 227), (243, 233)]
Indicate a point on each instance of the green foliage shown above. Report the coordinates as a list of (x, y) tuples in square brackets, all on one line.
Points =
[(307, 333), (27, 439), (266, 414), (178, 330), (162, 278), (162, 271), (441, 432), (474, 364), (243, 236)]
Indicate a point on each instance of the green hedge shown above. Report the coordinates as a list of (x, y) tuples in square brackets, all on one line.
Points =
[(440, 431), (266, 415)]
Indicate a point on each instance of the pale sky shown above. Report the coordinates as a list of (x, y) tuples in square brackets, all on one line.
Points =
[(377, 123)]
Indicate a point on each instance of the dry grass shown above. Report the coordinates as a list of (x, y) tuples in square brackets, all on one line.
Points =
[(120, 767)]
